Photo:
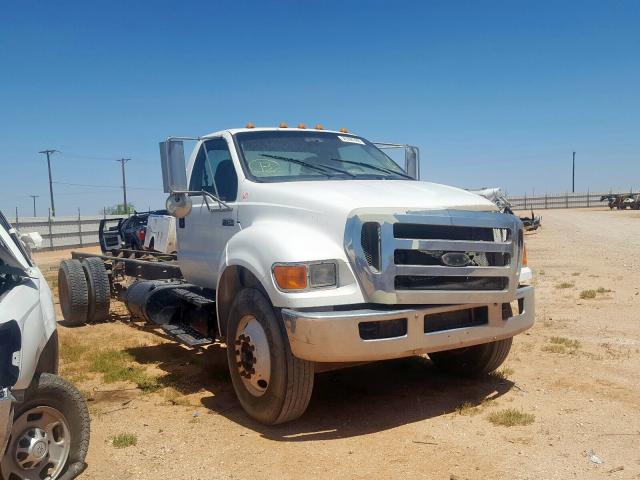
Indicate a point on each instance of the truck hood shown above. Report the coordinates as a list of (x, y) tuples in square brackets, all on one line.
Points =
[(11, 259), (333, 196)]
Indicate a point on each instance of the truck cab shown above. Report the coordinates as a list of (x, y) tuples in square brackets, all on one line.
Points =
[(319, 248)]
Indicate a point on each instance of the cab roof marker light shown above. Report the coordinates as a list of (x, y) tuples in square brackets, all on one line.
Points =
[(344, 130), (302, 125), (283, 125), (319, 127), (250, 125)]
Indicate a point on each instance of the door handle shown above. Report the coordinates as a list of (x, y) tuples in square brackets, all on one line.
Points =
[(228, 222)]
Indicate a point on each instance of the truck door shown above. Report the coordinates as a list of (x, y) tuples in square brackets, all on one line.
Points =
[(204, 233)]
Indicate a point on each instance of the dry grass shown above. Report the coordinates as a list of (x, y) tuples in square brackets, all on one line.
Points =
[(502, 374), (469, 409), (561, 345), (565, 285), (124, 440), (567, 342), (602, 290), (511, 417), (116, 365), (587, 294), (174, 397), (52, 280)]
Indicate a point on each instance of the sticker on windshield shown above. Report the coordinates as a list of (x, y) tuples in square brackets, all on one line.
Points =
[(351, 140)]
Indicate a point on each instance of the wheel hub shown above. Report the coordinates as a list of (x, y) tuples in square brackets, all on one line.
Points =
[(39, 447), (33, 446), (253, 358)]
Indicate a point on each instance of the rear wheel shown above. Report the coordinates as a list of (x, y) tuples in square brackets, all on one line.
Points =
[(50, 433), (272, 385), (473, 361), (99, 289), (73, 292)]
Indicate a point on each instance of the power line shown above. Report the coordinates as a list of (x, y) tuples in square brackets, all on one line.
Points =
[(48, 153)]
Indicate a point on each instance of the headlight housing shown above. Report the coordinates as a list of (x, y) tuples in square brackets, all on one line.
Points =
[(305, 276)]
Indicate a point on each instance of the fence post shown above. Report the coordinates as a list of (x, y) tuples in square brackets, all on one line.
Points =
[(525, 200), (79, 226), (104, 213), (17, 222), (50, 231), (566, 200), (545, 201), (588, 197)]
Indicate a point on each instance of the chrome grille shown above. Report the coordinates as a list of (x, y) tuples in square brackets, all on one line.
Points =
[(416, 249)]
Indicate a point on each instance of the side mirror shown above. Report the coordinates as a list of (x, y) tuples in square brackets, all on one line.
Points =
[(174, 172), (179, 205), (412, 161)]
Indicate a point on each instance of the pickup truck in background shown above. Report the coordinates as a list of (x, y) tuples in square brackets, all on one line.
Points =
[(298, 248)]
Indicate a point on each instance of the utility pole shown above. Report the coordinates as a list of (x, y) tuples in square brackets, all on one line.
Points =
[(573, 174), (124, 182), (49, 153), (34, 203)]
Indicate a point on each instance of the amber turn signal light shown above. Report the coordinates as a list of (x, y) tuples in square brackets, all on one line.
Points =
[(525, 260), (291, 277)]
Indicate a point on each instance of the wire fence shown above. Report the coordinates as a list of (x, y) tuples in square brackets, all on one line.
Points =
[(560, 200)]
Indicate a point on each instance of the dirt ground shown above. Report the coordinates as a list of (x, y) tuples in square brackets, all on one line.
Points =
[(577, 371)]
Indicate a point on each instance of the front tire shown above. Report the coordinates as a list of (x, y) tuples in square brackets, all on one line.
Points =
[(473, 361), (272, 385), (50, 433)]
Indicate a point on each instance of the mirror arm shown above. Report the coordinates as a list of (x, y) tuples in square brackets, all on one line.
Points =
[(206, 196)]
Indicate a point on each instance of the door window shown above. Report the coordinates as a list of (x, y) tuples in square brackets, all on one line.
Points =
[(219, 170)]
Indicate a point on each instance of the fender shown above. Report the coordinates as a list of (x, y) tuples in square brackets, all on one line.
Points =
[(262, 244)]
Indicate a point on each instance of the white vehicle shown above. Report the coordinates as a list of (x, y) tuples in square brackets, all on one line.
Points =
[(302, 247), (44, 422), (160, 235)]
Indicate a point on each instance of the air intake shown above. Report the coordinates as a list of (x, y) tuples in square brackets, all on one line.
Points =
[(370, 239)]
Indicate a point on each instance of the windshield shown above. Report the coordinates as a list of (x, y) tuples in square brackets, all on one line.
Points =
[(279, 156)]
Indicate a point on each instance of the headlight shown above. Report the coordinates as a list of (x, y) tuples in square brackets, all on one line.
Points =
[(302, 276), (322, 275)]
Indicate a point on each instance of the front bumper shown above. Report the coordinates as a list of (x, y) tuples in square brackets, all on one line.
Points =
[(334, 336)]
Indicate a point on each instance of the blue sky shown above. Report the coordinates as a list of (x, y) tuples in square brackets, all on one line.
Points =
[(494, 92)]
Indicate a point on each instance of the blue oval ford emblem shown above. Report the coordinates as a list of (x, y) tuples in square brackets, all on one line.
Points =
[(456, 259)]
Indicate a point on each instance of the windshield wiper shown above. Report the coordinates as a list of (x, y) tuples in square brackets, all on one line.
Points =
[(321, 168), (373, 167)]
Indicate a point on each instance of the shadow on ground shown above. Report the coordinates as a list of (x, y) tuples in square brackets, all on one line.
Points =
[(345, 403)]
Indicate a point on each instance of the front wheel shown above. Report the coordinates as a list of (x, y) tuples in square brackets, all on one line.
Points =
[(473, 361), (50, 432), (272, 385)]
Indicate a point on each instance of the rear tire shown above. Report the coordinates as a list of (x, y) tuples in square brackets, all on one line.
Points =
[(73, 292), (99, 289), (473, 361), (287, 382)]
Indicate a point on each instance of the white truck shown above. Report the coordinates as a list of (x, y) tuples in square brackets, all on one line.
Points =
[(299, 248), (44, 421)]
